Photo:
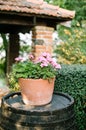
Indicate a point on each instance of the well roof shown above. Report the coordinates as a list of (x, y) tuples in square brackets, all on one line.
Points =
[(35, 7)]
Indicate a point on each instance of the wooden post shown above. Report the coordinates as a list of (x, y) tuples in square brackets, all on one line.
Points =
[(13, 50)]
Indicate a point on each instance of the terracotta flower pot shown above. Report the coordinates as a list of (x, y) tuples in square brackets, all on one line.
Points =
[(36, 91)]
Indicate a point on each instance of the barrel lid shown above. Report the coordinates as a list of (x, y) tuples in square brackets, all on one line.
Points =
[(60, 101)]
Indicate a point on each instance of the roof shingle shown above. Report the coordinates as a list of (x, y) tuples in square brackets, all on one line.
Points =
[(35, 7)]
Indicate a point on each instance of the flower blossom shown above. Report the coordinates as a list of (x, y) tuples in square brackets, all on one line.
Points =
[(45, 54), (19, 59), (45, 59), (44, 64), (55, 65), (42, 59), (31, 57)]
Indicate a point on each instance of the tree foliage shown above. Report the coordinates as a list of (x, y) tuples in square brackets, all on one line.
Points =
[(72, 50), (78, 5)]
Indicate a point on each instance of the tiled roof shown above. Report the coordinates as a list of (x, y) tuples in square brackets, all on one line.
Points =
[(35, 7)]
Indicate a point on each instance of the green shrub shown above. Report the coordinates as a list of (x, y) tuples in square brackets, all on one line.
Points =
[(71, 79), (72, 50), (2, 68)]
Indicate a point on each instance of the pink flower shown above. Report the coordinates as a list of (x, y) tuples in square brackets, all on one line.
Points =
[(55, 65), (44, 64), (58, 66), (45, 57), (31, 57), (45, 54), (41, 59), (18, 59), (50, 60)]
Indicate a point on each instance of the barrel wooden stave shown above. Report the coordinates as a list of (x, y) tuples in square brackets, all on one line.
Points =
[(37, 118)]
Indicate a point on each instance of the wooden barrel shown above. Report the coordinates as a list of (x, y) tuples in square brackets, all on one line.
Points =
[(57, 115)]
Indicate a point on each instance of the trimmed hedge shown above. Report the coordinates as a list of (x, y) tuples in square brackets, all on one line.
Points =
[(71, 79)]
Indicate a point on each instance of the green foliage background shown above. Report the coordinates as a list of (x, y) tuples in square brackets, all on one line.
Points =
[(73, 47), (71, 79), (78, 5), (72, 50)]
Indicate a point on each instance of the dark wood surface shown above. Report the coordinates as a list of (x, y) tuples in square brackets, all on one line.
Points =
[(59, 101), (57, 115)]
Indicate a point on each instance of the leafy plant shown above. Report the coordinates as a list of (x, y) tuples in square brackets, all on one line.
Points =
[(72, 50), (44, 67), (71, 79)]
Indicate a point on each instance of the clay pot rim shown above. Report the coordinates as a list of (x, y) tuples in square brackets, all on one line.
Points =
[(34, 79)]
